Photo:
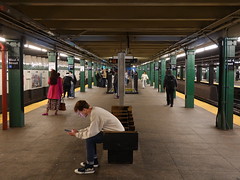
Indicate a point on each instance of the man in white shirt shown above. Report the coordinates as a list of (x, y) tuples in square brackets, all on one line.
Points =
[(144, 79), (100, 120)]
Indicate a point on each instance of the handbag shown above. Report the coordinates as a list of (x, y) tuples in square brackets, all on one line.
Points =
[(62, 106)]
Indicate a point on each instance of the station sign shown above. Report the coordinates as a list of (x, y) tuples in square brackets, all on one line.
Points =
[(13, 63)]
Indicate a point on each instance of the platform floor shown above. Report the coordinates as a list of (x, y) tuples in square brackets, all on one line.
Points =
[(174, 143)]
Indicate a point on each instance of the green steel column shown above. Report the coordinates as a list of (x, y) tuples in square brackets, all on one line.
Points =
[(52, 61), (71, 68), (82, 75), (148, 72), (217, 74), (89, 74), (15, 79), (94, 74), (190, 76), (151, 73), (163, 73), (173, 62), (156, 84), (224, 119)]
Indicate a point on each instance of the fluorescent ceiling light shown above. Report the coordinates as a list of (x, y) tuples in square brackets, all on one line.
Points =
[(63, 55), (199, 50), (2, 39), (34, 47), (214, 46), (238, 39), (181, 55)]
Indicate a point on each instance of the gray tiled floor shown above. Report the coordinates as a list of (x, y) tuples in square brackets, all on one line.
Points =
[(174, 143)]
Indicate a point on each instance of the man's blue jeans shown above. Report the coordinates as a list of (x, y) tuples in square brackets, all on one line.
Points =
[(91, 147)]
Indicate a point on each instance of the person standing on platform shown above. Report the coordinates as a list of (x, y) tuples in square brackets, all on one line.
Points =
[(170, 83), (115, 84), (55, 91), (67, 80), (144, 79), (100, 120), (73, 83)]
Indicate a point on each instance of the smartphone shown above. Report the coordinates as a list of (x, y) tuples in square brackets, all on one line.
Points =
[(67, 130)]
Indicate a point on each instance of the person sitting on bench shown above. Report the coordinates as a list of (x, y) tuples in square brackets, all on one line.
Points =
[(100, 120)]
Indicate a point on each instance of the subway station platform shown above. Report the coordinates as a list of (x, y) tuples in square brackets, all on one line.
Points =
[(174, 143)]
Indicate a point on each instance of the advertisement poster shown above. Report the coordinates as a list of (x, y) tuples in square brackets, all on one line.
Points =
[(36, 79)]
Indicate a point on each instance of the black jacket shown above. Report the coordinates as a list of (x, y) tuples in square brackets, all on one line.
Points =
[(170, 82)]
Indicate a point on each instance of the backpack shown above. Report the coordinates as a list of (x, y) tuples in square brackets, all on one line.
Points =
[(171, 82), (67, 81)]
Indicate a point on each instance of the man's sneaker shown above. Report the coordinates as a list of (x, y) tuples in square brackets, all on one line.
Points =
[(88, 169), (83, 164)]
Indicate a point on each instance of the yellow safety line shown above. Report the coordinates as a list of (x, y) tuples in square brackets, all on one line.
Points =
[(33, 106), (210, 108)]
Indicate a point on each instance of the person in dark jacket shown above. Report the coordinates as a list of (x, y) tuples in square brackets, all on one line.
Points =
[(115, 84), (170, 83), (67, 85)]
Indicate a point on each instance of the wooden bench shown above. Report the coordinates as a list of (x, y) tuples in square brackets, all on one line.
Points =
[(120, 146), (124, 114)]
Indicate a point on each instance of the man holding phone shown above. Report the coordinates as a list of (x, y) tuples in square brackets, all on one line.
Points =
[(100, 120)]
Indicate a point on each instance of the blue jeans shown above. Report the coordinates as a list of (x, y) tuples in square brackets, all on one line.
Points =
[(91, 147)]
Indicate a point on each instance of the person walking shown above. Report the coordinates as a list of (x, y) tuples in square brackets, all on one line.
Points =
[(55, 91), (170, 83), (144, 79), (100, 120)]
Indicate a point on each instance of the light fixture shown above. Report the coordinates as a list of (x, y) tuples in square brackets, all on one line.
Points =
[(34, 47), (2, 39)]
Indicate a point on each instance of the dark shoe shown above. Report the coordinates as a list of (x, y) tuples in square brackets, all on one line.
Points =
[(83, 164), (171, 105), (45, 114), (88, 169)]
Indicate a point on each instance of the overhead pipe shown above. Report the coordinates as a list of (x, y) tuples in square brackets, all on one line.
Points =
[(4, 88)]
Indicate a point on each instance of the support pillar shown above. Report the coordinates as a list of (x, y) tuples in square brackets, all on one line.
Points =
[(163, 73), (224, 119), (151, 73), (89, 74), (4, 88), (121, 78), (173, 62), (15, 74), (71, 68), (82, 75), (94, 74), (190, 76), (156, 71), (52, 60)]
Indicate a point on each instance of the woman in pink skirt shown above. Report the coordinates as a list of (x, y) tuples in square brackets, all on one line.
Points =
[(55, 91)]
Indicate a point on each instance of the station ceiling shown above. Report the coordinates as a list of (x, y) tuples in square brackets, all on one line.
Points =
[(145, 28)]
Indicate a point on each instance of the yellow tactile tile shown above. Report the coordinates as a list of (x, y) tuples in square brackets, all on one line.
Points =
[(210, 108)]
